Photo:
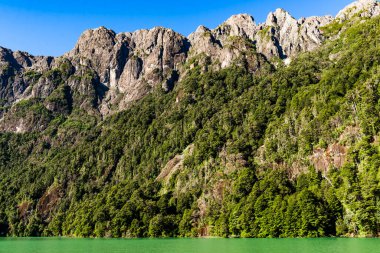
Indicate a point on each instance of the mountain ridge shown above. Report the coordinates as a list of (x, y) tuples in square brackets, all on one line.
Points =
[(254, 147), (134, 63)]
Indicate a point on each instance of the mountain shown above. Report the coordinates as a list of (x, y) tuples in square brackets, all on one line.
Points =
[(246, 130)]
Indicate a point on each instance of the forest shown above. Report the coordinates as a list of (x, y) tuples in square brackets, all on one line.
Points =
[(285, 151)]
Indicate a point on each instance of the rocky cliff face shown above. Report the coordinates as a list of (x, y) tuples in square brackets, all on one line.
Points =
[(106, 71), (281, 36), (361, 8), (291, 36), (130, 64), (16, 73)]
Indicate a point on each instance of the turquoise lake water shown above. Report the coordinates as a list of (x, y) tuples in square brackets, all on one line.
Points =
[(65, 245)]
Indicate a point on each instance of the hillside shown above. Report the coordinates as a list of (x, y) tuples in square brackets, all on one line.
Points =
[(247, 130)]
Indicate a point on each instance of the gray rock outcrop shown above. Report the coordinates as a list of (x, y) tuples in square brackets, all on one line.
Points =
[(106, 71), (281, 36), (130, 64), (362, 8)]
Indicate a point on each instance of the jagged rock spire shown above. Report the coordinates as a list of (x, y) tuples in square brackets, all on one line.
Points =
[(129, 65), (239, 25)]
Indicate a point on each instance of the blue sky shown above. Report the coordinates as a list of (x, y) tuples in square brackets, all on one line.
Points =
[(44, 27)]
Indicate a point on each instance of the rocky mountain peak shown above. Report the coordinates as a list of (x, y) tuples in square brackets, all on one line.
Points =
[(284, 36), (200, 30), (239, 25), (95, 49), (153, 56), (93, 41), (127, 66), (280, 17), (363, 8), (221, 44)]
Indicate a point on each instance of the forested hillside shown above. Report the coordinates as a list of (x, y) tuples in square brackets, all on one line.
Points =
[(252, 150)]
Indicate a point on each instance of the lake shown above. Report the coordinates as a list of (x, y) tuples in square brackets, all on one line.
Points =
[(66, 245)]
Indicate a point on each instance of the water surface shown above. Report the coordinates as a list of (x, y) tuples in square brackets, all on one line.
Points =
[(66, 245)]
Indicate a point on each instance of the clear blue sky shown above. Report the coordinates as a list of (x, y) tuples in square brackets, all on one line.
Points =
[(52, 27)]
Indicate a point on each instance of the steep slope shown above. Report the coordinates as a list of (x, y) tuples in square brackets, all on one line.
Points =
[(122, 68), (242, 145), (131, 63), (361, 8), (281, 36)]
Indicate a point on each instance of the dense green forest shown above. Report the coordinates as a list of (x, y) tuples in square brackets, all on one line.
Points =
[(285, 151)]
